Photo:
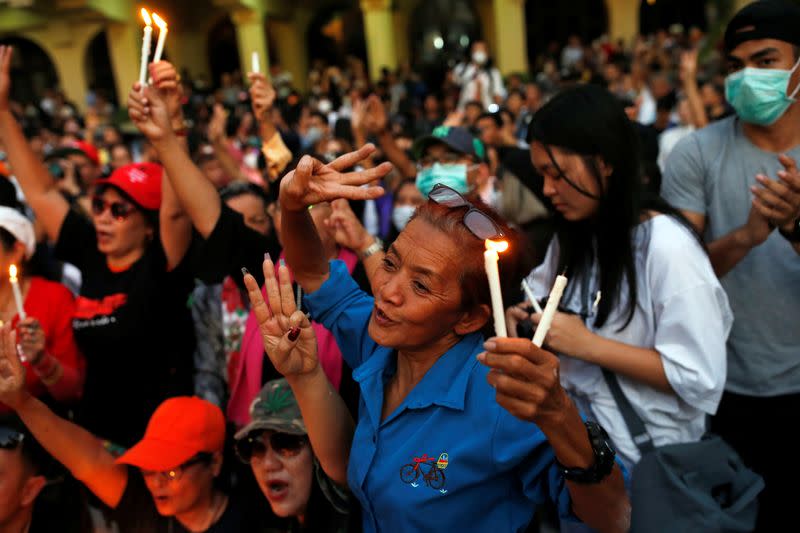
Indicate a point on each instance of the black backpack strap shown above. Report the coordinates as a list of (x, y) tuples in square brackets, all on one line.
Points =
[(635, 424)]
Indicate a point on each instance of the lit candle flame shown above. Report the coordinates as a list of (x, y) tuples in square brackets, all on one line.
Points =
[(12, 273), (497, 246), (159, 21), (146, 17)]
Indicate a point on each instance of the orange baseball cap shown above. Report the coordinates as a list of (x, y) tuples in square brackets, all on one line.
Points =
[(179, 429)]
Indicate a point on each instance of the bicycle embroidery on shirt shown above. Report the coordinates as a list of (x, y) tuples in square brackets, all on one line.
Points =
[(431, 470)]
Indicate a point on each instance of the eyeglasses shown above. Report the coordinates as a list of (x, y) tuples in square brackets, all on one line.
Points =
[(478, 222), (255, 445), (10, 438), (176, 473), (119, 210)]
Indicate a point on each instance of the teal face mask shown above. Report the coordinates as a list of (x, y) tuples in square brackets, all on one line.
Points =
[(454, 176), (759, 95)]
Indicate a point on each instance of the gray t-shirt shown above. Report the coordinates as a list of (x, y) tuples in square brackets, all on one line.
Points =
[(710, 172)]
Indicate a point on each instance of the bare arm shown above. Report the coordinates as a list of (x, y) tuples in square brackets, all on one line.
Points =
[(219, 141), (77, 449), (195, 193), (40, 191), (312, 182), (291, 345), (376, 122), (688, 75)]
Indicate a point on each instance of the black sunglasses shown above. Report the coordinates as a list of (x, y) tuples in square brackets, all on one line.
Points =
[(10, 438), (119, 210), (255, 445), (478, 222)]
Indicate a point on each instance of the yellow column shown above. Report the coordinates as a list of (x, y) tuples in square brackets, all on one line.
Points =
[(511, 46), (400, 19), (379, 33), (250, 38), (739, 4), (292, 54), (124, 48), (485, 9), (623, 19), (187, 49)]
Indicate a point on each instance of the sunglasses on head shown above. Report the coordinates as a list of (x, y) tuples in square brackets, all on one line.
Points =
[(479, 223), (256, 443), (10, 438), (119, 210)]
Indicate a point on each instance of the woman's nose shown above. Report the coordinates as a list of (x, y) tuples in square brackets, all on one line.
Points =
[(390, 291)]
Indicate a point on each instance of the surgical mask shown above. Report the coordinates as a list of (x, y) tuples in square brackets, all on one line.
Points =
[(452, 175), (401, 214), (325, 106), (759, 95), (311, 137), (480, 57), (250, 159)]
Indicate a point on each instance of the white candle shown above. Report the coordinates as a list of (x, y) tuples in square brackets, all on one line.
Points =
[(12, 277), (256, 67), (549, 311), (529, 294), (162, 37), (146, 41), (493, 274)]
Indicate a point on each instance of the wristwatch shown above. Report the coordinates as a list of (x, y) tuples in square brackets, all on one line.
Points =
[(603, 458), (794, 235), (375, 247)]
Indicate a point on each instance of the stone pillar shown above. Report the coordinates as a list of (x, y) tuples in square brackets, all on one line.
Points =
[(511, 45), (379, 34), (124, 49), (623, 19), (292, 53), (250, 38)]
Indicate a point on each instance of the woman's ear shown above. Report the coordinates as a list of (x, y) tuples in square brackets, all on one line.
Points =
[(18, 253), (216, 463), (473, 320), (605, 169)]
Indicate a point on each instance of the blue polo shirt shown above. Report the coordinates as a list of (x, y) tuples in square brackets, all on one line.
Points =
[(449, 456)]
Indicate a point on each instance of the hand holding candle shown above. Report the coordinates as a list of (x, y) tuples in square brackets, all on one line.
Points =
[(549, 310), (256, 66), (492, 273), (162, 37), (146, 41), (531, 298)]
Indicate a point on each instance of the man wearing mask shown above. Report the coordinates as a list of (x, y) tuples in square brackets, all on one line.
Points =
[(737, 181), (453, 157), (479, 79)]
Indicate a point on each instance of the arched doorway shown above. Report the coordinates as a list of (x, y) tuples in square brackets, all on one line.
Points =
[(440, 33), (554, 22), (223, 50), (99, 72), (336, 32), (654, 16), (31, 69)]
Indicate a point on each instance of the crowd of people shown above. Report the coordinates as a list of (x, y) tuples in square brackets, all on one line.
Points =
[(250, 309)]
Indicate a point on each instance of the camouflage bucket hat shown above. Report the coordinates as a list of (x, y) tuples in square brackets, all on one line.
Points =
[(275, 409)]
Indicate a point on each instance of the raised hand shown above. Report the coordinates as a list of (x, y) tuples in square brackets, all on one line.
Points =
[(567, 335), (5, 76), (375, 119), (289, 340), (313, 182), (779, 200), (166, 80), (12, 373), (149, 112), (262, 94), (216, 126), (347, 229), (688, 66), (525, 379)]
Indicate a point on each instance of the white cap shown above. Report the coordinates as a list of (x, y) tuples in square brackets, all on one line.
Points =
[(20, 227)]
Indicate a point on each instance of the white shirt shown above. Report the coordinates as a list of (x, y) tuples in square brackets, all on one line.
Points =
[(667, 141), (468, 76), (682, 312)]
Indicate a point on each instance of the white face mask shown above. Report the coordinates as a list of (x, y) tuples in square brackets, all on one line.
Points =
[(480, 57), (324, 106), (250, 159), (401, 214)]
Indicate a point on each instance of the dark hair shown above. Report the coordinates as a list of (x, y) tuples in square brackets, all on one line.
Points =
[(33, 455), (474, 285), (320, 115), (496, 118), (7, 240), (587, 120), (239, 188)]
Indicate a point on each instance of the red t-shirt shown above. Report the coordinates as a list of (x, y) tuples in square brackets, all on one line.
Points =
[(53, 305)]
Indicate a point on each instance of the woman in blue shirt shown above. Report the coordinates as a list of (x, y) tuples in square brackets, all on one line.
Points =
[(441, 441)]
